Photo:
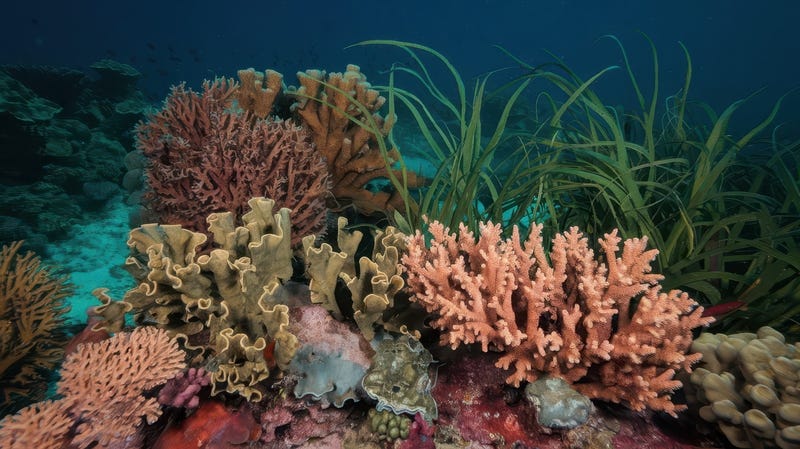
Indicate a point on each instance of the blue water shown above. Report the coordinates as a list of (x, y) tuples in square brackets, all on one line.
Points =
[(738, 46)]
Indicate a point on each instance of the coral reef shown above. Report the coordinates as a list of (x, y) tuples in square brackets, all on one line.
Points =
[(605, 324), (61, 147), (296, 423), (341, 112), (224, 304), (31, 326), (748, 384), (204, 157), (102, 386)]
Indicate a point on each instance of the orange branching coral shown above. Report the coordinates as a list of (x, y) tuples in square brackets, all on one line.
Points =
[(257, 91), (31, 319), (102, 386), (205, 157), (44, 425), (329, 108), (105, 382), (604, 326)]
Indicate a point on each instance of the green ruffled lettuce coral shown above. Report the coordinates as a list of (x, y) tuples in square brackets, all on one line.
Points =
[(372, 284), (224, 303)]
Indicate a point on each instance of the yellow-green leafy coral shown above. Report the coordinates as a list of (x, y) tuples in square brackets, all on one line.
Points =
[(223, 302), (372, 288), (748, 384)]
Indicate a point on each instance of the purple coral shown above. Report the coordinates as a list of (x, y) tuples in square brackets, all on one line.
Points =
[(181, 390)]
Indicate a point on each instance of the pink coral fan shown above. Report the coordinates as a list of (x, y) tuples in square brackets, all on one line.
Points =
[(604, 326), (203, 156)]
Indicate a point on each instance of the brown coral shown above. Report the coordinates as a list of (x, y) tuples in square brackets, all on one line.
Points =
[(204, 157), (341, 112), (604, 326), (31, 318)]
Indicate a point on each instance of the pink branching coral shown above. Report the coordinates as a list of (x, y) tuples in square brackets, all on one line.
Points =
[(604, 326), (203, 157)]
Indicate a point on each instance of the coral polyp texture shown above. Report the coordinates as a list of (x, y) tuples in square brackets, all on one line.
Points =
[(205, 156), (224, 304), (603, 326), (31, 319)]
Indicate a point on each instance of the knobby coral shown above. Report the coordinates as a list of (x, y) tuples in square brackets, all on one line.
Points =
[(31, 318), (102, 386), (604, 326), (203, 156)]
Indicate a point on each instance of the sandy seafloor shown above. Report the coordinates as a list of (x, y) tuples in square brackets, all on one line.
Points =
[(93, 256)]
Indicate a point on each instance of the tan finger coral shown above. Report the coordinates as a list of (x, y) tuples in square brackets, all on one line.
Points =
[(748, 384)]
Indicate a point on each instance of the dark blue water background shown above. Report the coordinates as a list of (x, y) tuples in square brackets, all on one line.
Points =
[(738, 46)]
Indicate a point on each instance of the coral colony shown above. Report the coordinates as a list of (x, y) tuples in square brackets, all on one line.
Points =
[(275, 307)]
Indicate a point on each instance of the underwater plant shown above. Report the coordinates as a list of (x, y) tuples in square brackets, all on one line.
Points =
[(465, 187), (683, 182)]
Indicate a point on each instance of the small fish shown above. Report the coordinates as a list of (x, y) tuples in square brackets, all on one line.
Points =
[(151, 46), (724, 308), (269, 354)]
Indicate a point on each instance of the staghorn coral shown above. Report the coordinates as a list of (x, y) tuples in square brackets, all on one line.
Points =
[(102, 385), (31, 318), (203, 157), (748, 384), (604, 327), (338, 111), (225, 303)]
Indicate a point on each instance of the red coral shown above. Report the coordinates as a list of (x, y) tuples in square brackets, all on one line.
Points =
[(205, 157), (212, 426)]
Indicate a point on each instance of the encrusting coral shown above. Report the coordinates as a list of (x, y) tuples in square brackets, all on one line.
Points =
[(102, 386), (31, 318), (603, 326), (225, 303), (203, 156)]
